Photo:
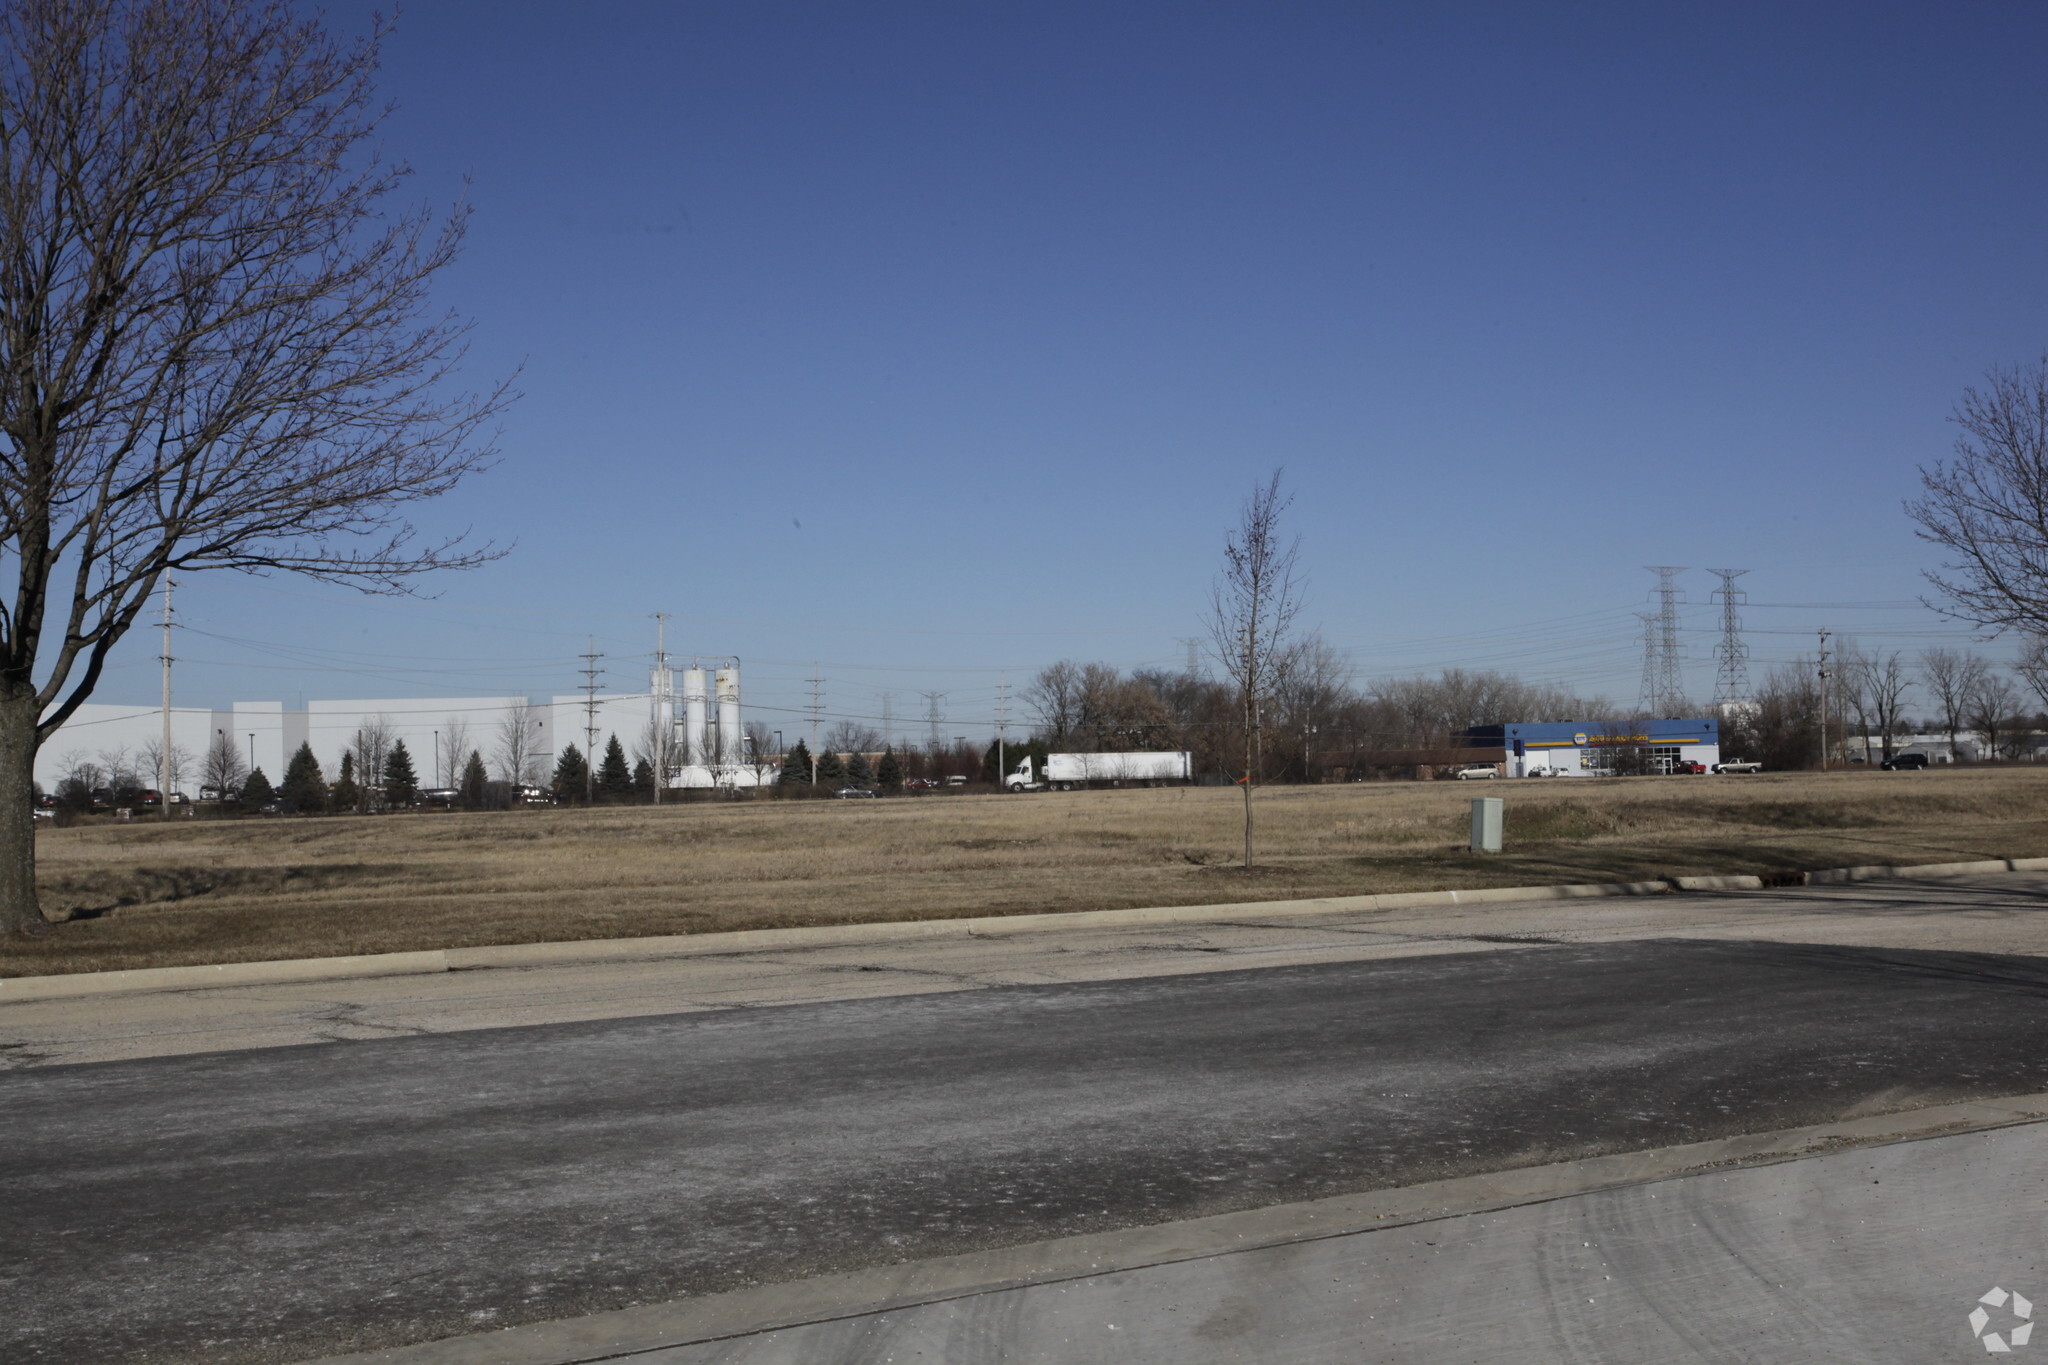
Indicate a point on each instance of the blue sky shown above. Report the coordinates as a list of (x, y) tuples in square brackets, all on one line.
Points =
[(935, 342)]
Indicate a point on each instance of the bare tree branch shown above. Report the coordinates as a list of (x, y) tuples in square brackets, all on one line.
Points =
[(217, 343)]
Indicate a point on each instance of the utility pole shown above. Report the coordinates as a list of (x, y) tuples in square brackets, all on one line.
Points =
[(1194, 645), (1003, 728), (889, 720), (817, 710), (1731, 674), (591, 673), (1824, 701), (664, 708), (163, 760), (931, 702)]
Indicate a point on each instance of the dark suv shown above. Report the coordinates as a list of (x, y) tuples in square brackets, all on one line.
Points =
[(1901, 762)]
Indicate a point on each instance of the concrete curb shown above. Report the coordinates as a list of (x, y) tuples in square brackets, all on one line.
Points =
[(518, 955), (654, 1327)]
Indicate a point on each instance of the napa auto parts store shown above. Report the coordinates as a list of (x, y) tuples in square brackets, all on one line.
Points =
[(1582, 748)]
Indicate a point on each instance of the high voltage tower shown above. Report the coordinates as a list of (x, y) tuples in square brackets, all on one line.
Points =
[(932, 716), (591, 673), (1646, 695), (1670, 671), (1731, 673)]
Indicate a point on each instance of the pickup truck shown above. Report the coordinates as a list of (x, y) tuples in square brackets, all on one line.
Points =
[(1738, 765)]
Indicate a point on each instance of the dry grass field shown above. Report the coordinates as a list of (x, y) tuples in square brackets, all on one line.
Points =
[(148, 894)]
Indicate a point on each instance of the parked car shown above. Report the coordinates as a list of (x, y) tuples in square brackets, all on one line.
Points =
[(1738, 765), (209, 793), (1687, 765), (1898, 763), (1475, 771), (45, 813), (919, 784), (852, 793), (1539, 771), (956, 780)]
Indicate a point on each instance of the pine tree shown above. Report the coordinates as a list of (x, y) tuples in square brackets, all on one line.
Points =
[(474, 781), (796, 768), (347, 795), (572, 776), (889, 776), (305, 787), (830, 771), (643, 780), (857, 769), (401, 784), (257, 790), (614, 778)]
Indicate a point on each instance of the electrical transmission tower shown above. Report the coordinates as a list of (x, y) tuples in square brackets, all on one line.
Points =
[(591, 673), (888, 720), (1194, 648), (1646, 696), (1731, 656), (932, 717), (1670, 685)]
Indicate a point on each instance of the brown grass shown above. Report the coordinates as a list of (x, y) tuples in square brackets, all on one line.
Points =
[(196, 892)]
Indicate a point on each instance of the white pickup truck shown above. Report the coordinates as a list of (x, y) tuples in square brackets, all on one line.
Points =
[(1738, 765)]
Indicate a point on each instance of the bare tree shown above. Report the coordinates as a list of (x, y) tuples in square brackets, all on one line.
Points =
[(1952, 679), (1251, 613), (1881, 680), (1992, 712), (2032, 665), (215, 344), (518, 745), (1055, 695), (373, 749), (223, 768), (853, 737), (451, 742), (151, 758), (1987, 507)]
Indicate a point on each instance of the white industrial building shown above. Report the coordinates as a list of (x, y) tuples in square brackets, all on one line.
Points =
[(706, 745)]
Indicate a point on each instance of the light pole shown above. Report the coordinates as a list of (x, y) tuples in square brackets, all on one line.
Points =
[(437, 758)]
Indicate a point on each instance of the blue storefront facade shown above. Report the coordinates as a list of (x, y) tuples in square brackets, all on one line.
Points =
[(1587, 748)]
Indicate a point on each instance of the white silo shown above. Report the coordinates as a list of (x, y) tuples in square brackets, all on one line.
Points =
[(696, 735), (730, 744)]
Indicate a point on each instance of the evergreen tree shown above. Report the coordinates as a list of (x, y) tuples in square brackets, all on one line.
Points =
[(257, 790), (830, 771), (347, 795), (401, 784), (889, 776), (796, 768), (572, 776), (305, 786), (474, 779), (614, 778), (643, 780), (857, 769)]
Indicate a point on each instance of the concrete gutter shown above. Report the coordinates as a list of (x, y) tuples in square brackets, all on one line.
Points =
[(516, 955), (653, 1327)]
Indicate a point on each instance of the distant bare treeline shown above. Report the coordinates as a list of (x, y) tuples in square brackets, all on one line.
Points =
[(1316, 719)]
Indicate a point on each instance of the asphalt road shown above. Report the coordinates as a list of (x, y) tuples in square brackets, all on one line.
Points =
[(292, 1202)]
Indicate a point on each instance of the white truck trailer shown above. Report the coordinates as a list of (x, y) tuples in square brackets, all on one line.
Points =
[(1065, 772)]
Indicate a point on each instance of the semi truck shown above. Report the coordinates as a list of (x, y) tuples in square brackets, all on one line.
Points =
[(1065, 772)]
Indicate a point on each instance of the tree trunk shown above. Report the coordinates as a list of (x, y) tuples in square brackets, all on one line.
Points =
[(19, 911)]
